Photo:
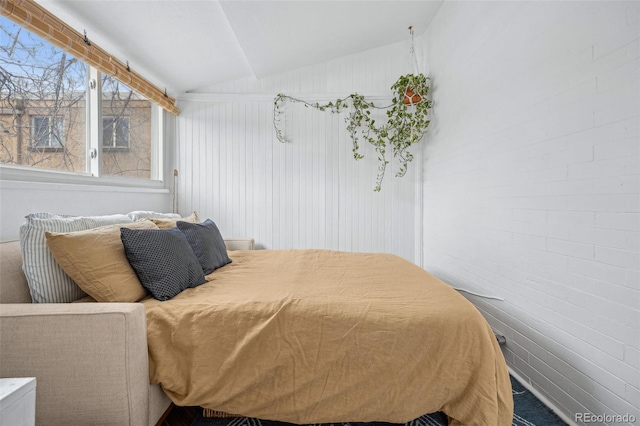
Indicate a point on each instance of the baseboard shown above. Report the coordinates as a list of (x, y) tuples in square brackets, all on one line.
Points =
[(542, 398)]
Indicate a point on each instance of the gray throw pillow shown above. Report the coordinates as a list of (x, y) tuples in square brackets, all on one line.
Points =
[(162, 260), (207, 243)]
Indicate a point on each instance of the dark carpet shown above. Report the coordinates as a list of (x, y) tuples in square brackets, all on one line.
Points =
[(529, 411)]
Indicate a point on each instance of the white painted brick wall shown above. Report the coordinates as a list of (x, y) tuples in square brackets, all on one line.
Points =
[(531, 187)]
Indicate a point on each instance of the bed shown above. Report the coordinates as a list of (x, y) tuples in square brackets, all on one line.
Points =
[(319, 336)]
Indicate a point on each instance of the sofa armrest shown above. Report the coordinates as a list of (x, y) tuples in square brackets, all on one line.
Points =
[(240, 244), (90, 360)]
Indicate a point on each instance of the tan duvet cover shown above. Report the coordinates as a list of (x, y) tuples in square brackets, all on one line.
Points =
[(311, 336)]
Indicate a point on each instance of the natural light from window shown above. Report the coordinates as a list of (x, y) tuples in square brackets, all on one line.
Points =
[(126, 131), (45, 109)]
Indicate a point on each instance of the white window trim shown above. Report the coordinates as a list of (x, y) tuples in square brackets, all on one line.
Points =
[(10, 172), (158, 133), (94, 123)]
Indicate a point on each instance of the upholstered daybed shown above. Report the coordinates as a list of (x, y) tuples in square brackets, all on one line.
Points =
[(90, 359)]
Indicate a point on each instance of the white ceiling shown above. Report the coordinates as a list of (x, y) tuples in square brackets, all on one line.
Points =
[(185, 45)]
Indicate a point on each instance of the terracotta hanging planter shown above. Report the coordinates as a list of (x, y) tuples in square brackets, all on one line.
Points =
[(411, 98)]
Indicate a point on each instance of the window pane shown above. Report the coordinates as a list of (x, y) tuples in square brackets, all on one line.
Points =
[(42, 103), (127, 150)]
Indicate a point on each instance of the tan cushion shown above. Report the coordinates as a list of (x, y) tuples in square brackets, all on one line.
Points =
[(171, 223), (96, 262)]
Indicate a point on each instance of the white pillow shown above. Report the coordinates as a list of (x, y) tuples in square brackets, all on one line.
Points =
[(48, 283), (141, 214)]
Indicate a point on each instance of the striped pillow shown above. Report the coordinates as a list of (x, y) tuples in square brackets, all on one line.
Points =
[(48, 283)]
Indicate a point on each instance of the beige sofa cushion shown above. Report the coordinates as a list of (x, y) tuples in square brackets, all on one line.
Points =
[(91, 361), (96, 261), (171, 223)]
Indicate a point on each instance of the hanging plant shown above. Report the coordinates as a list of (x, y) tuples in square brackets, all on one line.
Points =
[(405, 125)]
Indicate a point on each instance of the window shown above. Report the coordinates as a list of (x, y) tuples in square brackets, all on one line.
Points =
[(42, 103), (115, 133), (126, 131), (47, 133), (50, 116)]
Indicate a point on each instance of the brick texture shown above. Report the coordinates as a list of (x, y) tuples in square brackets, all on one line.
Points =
[(531, 183)]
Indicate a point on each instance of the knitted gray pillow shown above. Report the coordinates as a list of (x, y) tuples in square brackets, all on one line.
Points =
[(162, 260), (207, 243)]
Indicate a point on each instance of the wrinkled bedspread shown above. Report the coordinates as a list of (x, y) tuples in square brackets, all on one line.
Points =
[(311, 336)]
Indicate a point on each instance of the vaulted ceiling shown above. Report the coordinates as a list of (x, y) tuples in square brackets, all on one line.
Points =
[(185, 45)]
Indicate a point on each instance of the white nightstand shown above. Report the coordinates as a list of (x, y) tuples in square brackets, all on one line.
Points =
[(18, 401)]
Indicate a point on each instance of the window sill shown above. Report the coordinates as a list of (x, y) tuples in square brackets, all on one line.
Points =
[(37, 176)]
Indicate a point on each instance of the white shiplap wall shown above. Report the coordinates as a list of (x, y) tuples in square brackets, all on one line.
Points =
[(309, 193), (531, 186)]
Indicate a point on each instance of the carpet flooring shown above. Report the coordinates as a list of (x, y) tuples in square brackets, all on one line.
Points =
[(529, 411)]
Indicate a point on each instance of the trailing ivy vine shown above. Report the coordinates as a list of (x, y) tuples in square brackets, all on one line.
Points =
[(405, 124)]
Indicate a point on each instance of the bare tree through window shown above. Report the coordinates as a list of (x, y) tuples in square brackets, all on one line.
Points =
[(126, 125)]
